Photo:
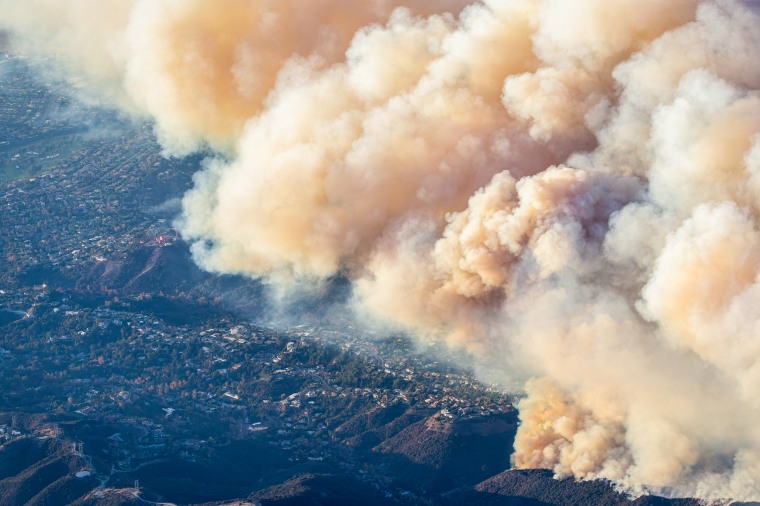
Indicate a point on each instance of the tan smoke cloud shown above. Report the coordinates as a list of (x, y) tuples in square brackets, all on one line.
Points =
[(567, 189), (200, 69)]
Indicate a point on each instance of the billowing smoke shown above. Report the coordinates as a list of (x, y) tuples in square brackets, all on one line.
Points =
[(567, 189)]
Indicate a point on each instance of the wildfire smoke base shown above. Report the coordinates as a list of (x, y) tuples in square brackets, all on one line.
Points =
[(568, 189)]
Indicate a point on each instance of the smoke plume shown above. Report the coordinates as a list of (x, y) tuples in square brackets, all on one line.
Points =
[(567, 189)]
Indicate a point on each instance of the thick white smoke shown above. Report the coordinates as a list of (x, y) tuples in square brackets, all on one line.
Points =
[(568, 189)]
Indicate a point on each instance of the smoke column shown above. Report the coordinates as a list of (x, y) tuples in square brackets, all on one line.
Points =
[(569, 190)]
